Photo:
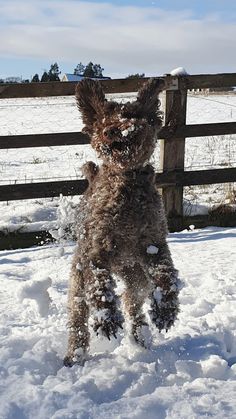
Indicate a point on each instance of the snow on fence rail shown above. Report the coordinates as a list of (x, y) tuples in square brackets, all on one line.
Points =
[(172, 178)]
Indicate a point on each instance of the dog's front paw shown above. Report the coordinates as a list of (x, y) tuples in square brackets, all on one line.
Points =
[(89, 170), (164, 310)]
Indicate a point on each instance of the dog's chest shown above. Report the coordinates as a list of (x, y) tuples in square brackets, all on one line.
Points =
[(124, 200)]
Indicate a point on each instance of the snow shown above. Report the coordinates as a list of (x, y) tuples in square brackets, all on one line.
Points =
[(37, 290), (127, 131), (188, 372), (158, 294), (179, 71), (152, 250)]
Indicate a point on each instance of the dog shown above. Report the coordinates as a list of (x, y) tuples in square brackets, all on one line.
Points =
[(121, 224)]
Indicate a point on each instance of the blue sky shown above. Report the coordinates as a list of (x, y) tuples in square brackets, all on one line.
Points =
[(124, 36), (199, 7)]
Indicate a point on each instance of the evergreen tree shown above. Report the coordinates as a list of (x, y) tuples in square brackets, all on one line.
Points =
[(35, 79), (79, 69), (98, 70), (45, 77), (54, 72), (89, 71), (93, 70)]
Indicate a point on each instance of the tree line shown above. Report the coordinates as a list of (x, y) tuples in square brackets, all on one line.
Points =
[(90, 70), (51, 75)]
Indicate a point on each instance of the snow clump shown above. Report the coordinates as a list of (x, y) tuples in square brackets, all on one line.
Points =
[(126, 131), (152, 250), (37, 291), (179, 71)]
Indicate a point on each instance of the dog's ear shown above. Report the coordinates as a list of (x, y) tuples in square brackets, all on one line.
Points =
[(90, 100), (148, 102)]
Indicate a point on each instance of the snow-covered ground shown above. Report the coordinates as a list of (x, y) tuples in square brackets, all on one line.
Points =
[(43, 115), (187, 373)]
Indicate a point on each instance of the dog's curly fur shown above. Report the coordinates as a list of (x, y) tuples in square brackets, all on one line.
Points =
[(121, 223)]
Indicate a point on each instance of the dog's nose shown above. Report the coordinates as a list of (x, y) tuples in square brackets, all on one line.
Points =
[(111, 132)]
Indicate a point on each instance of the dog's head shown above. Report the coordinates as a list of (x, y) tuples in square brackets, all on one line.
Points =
[(122, 134)]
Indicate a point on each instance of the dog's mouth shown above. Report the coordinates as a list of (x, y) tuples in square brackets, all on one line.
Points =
[(119, 145), (116, 147)]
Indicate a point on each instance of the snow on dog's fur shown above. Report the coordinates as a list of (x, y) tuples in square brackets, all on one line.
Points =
[(121, 223)]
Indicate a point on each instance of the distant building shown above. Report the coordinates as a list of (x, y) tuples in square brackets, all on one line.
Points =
[(75, 77)]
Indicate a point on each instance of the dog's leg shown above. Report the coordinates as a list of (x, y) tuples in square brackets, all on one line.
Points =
[(78, 341), (164, 294), (105, 315), (136, 291)]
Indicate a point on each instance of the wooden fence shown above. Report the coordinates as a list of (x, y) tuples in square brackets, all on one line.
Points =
[(173, 177)]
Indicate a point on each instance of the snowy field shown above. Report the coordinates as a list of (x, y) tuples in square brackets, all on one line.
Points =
[(43, 115), (188, 373)]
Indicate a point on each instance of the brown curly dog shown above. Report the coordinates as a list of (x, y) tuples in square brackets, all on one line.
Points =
[(121, 223)]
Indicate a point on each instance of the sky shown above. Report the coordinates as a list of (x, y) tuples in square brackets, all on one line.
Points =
[(124, 36)]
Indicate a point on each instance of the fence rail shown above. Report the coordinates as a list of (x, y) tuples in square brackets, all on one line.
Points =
[(200, 81), (173, 177), (79, 138)]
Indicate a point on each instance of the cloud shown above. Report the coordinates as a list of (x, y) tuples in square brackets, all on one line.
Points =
[(123, 39)]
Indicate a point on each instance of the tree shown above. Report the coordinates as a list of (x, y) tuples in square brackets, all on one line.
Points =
[(79, 69), (54, 72), (98, 70), (45, 77), (89, 71), (136, 76), (35, 79), (93, 70)]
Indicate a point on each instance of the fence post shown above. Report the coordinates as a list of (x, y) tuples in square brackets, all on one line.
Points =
[(173, 150)]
